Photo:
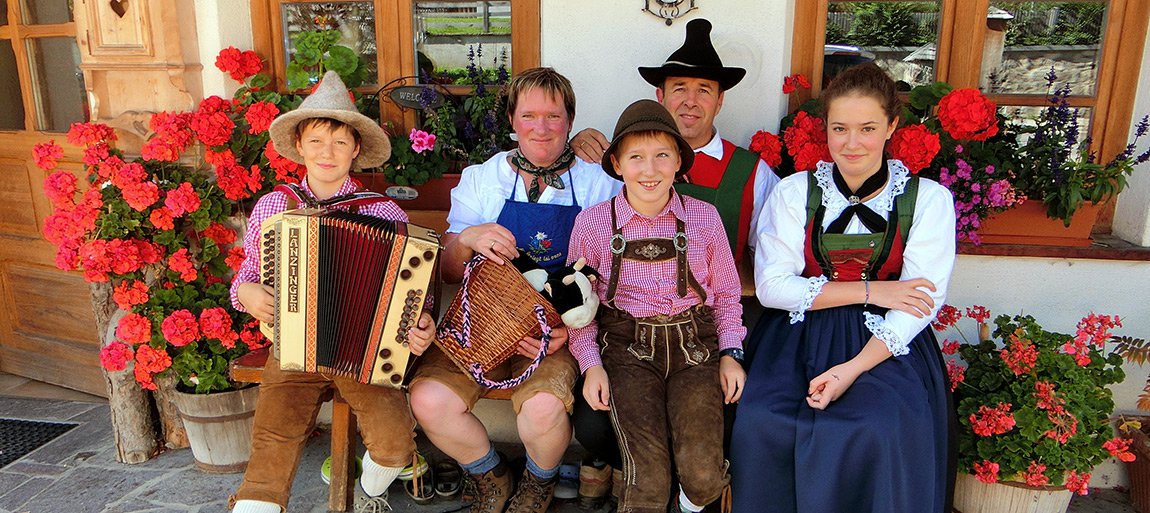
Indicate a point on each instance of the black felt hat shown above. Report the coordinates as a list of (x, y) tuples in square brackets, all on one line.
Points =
[(697, 58), (647, 116)]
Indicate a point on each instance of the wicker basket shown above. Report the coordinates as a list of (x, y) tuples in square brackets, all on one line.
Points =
[(494, 309)]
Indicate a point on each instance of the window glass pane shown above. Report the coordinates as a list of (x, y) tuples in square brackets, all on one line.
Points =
[(3, 13), (12, 108), (46, 12), (1025, 40), (1027, 116), (898, 36), (455, 39), (58, 83), (355, 22)]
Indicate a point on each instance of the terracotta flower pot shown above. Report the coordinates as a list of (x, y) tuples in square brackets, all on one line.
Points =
[(1028, 224), (974, 496)]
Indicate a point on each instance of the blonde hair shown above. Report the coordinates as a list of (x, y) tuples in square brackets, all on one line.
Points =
[(545, 79)]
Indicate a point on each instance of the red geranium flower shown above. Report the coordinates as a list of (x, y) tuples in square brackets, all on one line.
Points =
[(128, 294), (181, 328), (1035, 474), (768, 146), (46, 154), (115, 356), (134, 329), (182, 264), (152, 360), (260, 115), (216, 323), (235, 258), (239, 64), (1077, 483), (915, 146), (986, 471), (967, 114), (60, 187), (182, 199), (87, 134), (806, 141)]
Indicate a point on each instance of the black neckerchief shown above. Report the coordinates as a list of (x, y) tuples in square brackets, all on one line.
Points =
[(549, 174), (873, 222)]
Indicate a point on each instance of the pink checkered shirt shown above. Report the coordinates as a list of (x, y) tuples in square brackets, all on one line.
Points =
[(647, 289), (275, 202)]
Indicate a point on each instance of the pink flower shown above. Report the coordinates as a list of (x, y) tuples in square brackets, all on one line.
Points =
[(60, 187), (129, 294), (421, 141), (182, 199), (47, 154), (181, 328), (955, 374), (181, 263), (115, 356), (216, 323)]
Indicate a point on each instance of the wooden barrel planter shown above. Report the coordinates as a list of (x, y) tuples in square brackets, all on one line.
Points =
[(219, 427), (974, 496)]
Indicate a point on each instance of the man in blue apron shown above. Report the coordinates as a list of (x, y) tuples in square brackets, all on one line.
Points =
[(523, 200)]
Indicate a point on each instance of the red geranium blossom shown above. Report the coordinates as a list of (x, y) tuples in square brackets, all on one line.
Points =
[(795, 81), (806, 141), (1077, 483), (992, 421), (260, 115), (1020, 357), (768, 146), (955, 374), (134, 329), (238, 64), (87, 134), (181, 328), (1035, 474), (216, 323), (115, 356), (986, 471), (60, 187), (181, 263), (1119, 448), (222, 235), (182, 199), (46, 154), (235, 258), (152, 360), (947, 317), (915, 146), (211, 123), (144, 378), (142, 195), (967, 114), (285, 168), (128, 294)]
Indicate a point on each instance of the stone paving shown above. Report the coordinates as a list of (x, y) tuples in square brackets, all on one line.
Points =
[(77, 473)]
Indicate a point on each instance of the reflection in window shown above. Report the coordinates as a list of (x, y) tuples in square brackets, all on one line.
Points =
[(12, 108), (355, 22), (898, 36), (454, 39), (1026, 39), (1027, 116), (58, 83), (46, 12)]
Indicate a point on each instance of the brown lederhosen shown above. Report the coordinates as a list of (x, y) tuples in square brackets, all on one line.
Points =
[(664, 375)]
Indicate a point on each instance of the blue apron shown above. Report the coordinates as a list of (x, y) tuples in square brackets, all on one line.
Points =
[(541, 230)]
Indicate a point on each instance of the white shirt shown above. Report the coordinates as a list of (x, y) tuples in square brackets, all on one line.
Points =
[(483, 189), (929, 252), (765, 181)]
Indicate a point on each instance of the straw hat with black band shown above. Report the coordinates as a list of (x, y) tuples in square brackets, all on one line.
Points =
[(331, 100), (697, 58), (648, 116)]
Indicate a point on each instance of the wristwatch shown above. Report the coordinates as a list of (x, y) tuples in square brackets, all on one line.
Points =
[(733, 352)]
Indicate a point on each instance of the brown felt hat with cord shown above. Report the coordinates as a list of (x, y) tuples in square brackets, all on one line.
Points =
[(331, 100), (648, 116)]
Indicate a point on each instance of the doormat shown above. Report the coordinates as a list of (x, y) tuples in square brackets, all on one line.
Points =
[(20, 437)]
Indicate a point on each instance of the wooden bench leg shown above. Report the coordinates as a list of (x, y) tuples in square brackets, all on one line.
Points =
[(343, 431)]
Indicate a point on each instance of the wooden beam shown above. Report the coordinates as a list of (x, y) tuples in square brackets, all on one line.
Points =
[(810, 27)]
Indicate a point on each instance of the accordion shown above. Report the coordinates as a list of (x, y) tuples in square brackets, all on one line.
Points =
[(347, 288)]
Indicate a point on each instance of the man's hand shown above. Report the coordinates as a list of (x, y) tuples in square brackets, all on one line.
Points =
[(259, 300), (589, 145), (490, 240), (529, 347)]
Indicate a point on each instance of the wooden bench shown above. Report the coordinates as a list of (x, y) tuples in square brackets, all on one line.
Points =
[(250, 368)]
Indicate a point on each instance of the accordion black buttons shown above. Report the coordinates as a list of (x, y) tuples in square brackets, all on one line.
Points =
[(405, 274), (385, 353), (415, 261), (428, 255), (387, 367)]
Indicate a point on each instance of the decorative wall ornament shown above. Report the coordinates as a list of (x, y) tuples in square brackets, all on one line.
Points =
[(669, 10)]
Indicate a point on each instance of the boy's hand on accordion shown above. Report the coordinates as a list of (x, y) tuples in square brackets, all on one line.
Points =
[(597, 388), (529, 347), (259, 300), (419, 337)]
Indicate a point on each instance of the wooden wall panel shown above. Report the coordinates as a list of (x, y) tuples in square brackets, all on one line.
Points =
[(17, 209), (109, 34), (43, 304)]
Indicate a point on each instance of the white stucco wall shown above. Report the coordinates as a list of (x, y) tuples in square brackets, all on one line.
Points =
[(598, 44), (1132, 216), (220, 24), (1057, 293)]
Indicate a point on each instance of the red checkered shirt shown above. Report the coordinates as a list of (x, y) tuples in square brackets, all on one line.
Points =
[(647, 289), (275, 202)]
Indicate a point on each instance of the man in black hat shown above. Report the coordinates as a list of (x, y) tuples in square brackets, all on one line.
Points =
[(691, 84)]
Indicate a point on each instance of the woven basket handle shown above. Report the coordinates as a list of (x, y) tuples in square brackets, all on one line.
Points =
[(544, 342)]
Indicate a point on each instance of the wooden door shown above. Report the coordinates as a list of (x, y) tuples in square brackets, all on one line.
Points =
[(47, 329)]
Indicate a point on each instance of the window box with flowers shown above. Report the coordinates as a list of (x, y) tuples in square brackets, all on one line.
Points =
[(160, 231), (1033, 408), (464, 122), (996, 169)]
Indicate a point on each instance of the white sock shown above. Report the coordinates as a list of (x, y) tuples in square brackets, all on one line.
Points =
[(250, 506), (686, 503), (376, 478)]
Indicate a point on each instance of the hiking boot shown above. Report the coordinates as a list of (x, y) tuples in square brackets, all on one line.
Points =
[(594, 485), (491, 490), (533, 494)]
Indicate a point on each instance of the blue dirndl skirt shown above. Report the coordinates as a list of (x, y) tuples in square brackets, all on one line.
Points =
[(882, 447)]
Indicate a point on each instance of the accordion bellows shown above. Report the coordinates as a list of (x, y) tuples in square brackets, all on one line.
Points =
[(494, 309), (347, 287)]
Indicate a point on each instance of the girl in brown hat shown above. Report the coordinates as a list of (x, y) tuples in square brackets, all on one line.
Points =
[(663, 354), (329, 136)]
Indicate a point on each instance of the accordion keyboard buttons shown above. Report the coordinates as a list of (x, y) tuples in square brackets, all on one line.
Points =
[(387, 367), (415, 261), (385, 353), (405, 274), (396, 378), (428, 255)]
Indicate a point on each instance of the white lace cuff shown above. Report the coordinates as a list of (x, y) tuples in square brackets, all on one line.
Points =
[(877, 326), (814, 288)]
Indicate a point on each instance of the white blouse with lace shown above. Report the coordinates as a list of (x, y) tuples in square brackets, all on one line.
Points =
[(779, 259)]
